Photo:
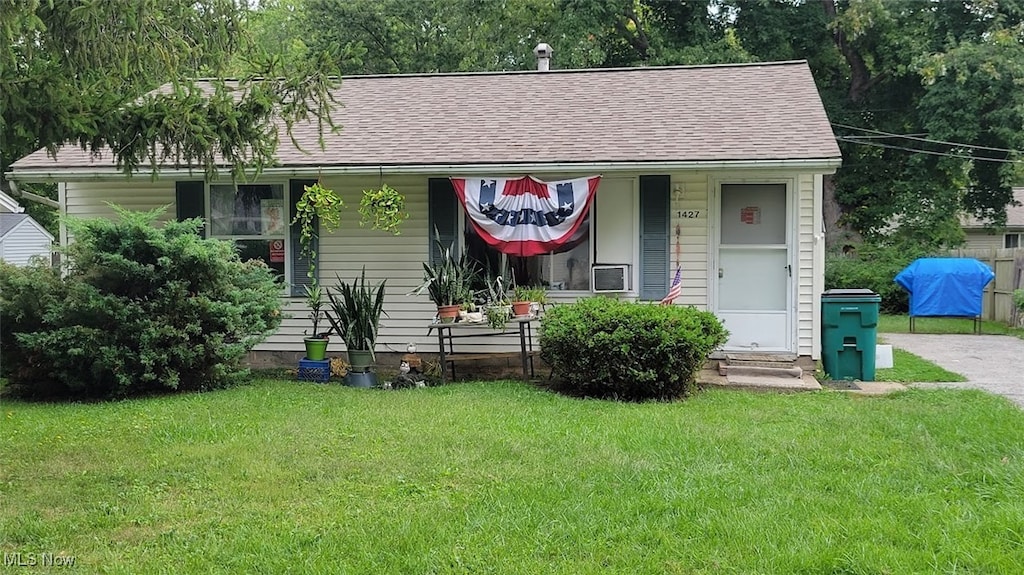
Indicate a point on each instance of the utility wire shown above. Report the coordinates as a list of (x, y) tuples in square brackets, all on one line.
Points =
[(929, 152), (927, 140)]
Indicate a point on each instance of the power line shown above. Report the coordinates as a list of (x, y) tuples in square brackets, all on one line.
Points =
[(929, 152), (927, 140)]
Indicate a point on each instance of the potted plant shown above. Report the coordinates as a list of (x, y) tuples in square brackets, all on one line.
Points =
[(316, 342), (354, 314), (319, 209), (499, 306), (448, 282), (525, 297), (383, 209), (317, 206)]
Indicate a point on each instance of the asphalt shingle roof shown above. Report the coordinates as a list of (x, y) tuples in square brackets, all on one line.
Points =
[(767, 111), (8, 221)]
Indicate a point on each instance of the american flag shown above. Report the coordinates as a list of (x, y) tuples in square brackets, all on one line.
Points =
[(675, 288)]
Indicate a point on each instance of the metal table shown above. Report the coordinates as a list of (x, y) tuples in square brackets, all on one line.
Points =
[(447, 333)]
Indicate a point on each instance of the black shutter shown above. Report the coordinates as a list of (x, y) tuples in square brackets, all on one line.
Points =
[(442, 215), (654, 236), (190, 201), (300, 266)]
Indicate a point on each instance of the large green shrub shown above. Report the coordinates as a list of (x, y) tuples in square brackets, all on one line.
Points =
[(140, 309), (873, 267), (603, 347)]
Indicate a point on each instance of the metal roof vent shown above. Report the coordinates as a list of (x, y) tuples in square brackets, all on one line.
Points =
[(543, 53)]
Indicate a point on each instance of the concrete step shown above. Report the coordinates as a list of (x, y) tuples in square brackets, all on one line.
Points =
[(777, 370)]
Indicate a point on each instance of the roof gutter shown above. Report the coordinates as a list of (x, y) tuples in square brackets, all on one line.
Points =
[(823, 165), (30, 196)]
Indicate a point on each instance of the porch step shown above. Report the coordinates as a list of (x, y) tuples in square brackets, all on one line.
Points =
[(760, 365)]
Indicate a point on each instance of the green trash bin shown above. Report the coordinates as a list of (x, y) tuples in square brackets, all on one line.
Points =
[(849, 332)]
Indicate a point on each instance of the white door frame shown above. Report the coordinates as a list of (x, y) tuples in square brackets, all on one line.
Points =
[(715, 239)]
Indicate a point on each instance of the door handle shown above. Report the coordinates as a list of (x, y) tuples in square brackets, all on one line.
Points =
[(720, 274), (789, 270)]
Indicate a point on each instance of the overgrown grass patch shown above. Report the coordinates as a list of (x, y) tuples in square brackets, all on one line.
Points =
[(506, 478), (888, 323)]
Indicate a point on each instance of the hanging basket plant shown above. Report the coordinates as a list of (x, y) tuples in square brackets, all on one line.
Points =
[(316, 204), (383, 209)]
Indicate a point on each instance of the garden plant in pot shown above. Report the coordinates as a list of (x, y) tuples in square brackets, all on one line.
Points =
[(499, 305), (448, 282), (526, 299), (318, 205), (316, 341), (354, 313), (319, 209)]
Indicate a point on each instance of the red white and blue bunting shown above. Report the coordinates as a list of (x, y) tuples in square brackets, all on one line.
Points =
[(525, 216)]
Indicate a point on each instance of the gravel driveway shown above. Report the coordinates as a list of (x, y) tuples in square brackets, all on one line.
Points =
[(994, 363)]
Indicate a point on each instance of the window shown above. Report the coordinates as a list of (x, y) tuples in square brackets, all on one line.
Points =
[(567, 268), (255, 217), (1011, 241)]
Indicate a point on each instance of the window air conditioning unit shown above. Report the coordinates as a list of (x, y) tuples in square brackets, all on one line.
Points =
[(610, 278)]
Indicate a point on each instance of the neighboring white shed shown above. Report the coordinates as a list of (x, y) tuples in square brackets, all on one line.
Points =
[(22, 238)]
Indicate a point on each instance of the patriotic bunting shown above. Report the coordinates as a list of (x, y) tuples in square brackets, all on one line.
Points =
[(525, 216)]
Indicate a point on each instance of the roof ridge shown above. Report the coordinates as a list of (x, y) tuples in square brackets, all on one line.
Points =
[(551, 71)]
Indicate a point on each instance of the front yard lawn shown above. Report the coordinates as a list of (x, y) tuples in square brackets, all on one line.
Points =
[(281, 476)]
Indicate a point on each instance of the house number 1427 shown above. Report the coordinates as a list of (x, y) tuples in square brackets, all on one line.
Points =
[(688, 214)]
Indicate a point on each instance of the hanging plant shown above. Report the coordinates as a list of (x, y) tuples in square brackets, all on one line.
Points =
[(316, 204), (383, 208)]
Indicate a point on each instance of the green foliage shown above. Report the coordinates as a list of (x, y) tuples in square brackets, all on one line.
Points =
[(383, 209), (534, 294), (318, 206), (315, 302), (608, 348), (355, 311), (141, 309), (82, 73), (450, 280), (873, 267), (1018, 299), (26, 294)]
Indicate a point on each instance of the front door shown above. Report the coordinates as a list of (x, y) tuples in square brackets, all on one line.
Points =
[(753, 283)]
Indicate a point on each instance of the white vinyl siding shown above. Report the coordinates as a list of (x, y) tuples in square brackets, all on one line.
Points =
[(983, 240), (26, 240), (688, 198), (90, 199), (398, 258), (806, 312)]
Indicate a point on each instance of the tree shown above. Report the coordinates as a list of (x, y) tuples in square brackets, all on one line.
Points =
[(84, 73)]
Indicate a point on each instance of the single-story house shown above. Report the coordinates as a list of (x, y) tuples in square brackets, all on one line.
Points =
[(1012, 236), (22, 239), (715, 171)]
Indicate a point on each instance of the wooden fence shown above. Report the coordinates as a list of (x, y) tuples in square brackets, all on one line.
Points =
[(1008, 265)]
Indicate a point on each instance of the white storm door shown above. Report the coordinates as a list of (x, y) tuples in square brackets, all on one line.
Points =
[(754, 267)]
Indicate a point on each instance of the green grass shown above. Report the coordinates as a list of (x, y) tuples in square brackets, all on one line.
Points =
[(505, 478), (910, 368), (901, 324)]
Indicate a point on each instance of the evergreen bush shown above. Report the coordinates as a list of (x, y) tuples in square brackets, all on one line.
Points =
[(607, 348), (873, 267), (141, 309)]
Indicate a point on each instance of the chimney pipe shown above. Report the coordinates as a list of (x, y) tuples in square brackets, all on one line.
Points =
[(543, 53)]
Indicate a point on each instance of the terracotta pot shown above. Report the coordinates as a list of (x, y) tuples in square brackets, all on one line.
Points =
[(447, 313), (521, 308)]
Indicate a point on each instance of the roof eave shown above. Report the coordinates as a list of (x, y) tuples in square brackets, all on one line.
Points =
[(826, 165)]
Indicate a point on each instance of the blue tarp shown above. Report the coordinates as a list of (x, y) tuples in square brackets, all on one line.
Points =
[(945, 286)]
